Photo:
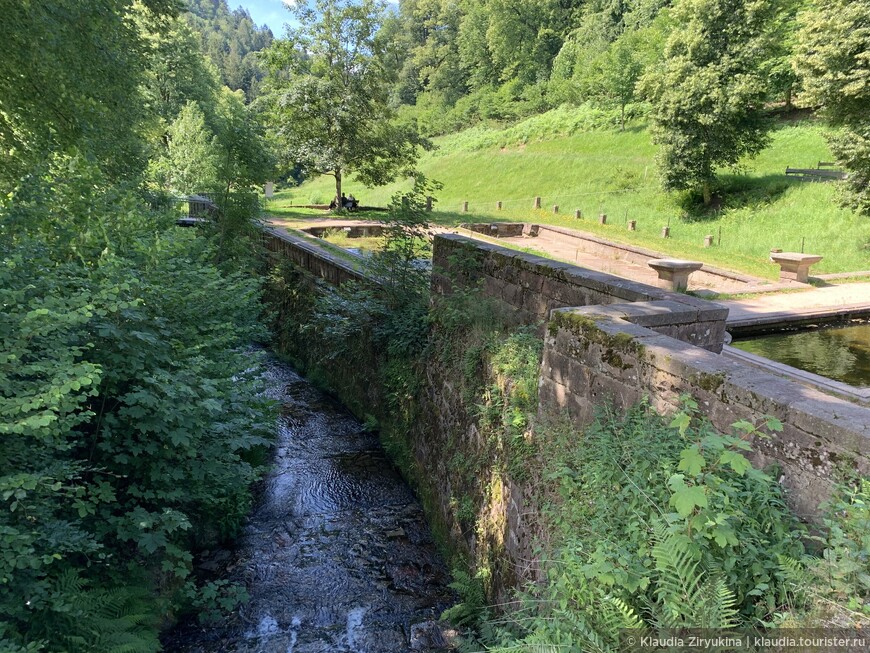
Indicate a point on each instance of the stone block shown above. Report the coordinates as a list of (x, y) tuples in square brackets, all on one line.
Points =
[(840, 422), (674, 274), (793, 266)]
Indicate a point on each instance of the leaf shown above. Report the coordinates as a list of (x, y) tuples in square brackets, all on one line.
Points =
[(681, 421), (691, 461), (686, 500), (736, 461), (744, 426)]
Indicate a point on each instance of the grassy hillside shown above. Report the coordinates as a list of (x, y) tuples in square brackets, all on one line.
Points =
[(561, 158)]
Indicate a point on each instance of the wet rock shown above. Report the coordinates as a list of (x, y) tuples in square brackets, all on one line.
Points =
[(336, 557), (433, 636)]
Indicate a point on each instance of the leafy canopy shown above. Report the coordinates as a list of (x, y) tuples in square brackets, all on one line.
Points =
[(328, 101), (834, 61), (707, 96)]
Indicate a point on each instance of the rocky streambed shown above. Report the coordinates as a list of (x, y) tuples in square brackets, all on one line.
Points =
[(337, 556)]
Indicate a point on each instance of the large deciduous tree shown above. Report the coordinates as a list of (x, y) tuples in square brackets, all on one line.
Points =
[(708, 94), (834, 61), (328, 101)]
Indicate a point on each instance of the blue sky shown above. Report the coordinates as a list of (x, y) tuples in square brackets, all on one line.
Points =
[(270, 12)]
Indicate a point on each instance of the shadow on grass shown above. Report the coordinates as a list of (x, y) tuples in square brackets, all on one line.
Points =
[(737, 192)]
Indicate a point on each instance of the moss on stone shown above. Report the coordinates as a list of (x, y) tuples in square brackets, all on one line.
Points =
[(586, 327), (709, 382)]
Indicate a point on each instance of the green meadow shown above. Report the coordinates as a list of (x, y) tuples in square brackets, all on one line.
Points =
[(567, 162)]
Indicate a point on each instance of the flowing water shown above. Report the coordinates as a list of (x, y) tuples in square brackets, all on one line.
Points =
[(337, 555)]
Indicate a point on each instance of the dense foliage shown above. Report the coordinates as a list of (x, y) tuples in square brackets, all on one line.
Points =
[(130, 417), (708, 94), (129, 400), (834, 61)]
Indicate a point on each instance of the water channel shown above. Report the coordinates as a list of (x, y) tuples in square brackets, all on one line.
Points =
[(337, 556), (840, 352)]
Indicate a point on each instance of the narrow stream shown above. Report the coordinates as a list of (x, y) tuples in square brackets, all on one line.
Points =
[(337, 555)]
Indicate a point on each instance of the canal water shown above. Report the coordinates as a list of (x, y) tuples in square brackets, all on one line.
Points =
[(838, 352), (337, 555)]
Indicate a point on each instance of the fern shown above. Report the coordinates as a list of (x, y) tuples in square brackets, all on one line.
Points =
[(120, 619), (684, 597)]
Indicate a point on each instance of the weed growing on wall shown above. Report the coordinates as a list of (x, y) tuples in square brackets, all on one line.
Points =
[(654, 524)]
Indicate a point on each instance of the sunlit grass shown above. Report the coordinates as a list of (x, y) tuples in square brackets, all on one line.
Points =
[(614, 173)]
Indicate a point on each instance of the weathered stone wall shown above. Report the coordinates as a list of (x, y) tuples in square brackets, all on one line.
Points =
[(532, 286), (310, 257), (596, 354)]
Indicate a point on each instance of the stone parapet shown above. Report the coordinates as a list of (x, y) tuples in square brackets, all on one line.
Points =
[(532, 286), (317, 260), (596, 354)]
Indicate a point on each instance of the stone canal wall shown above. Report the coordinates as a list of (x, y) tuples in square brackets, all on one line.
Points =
[(317, 260), (532, 286), (613, 340), (605, 340), (596, 354)]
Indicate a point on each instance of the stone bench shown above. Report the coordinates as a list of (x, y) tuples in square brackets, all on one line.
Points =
[(674, 273), (794, 267)]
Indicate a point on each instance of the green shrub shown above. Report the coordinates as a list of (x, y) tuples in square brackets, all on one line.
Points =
[(656, 524), (129, 410)]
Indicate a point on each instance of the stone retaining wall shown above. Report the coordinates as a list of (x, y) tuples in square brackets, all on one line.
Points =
[(601, 354), (315, 259), (590, 244), (532, 286), (620, 341)]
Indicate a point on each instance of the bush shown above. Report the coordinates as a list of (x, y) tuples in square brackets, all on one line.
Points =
[(130, 411), (656, 525)]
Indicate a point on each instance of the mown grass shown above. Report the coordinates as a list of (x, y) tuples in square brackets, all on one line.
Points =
[(611, 172)]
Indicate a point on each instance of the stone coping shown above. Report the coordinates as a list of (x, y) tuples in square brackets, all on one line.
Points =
[(795, 317), (347, 265), (852, 393), (728, 274), (632, 291), (838, 420)]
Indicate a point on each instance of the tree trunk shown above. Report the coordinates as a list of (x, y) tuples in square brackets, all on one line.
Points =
[(708, 197), (622, 118), (788, 104), (338, 188)]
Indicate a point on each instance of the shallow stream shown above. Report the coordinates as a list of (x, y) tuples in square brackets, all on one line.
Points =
[(337, 555)]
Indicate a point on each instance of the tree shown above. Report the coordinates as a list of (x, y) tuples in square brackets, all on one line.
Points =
[(191, 161), (69, 77), (615, 74), (834, 63), (328, 101), (707, 96)]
